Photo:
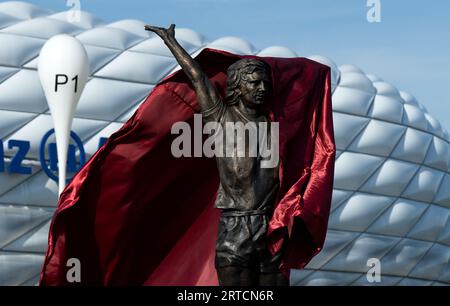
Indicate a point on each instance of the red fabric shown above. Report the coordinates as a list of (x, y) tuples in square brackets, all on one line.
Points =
[(136, 215)]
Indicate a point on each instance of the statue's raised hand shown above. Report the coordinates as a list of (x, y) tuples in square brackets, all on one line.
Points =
[(207, 96), (162, 32)]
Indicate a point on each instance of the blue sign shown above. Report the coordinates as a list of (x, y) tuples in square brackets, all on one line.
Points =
[(50, 165)]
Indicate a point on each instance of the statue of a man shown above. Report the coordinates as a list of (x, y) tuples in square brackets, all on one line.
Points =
[(247, 191)]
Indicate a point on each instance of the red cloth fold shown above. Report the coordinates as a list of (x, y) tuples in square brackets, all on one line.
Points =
[(136, 215)]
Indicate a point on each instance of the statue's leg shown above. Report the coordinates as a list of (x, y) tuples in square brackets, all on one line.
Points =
[(235, 261), (269, 264), (237, 276)]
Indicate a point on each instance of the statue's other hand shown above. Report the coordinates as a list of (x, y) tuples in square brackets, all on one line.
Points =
[(161, 32)]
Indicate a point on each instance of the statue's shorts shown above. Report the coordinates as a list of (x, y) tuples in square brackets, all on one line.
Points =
[(241, 241)]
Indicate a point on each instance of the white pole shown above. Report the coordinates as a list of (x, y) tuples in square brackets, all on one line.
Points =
[(63, 70)]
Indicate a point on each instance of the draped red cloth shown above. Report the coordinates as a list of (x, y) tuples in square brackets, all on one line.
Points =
[(134, 214)]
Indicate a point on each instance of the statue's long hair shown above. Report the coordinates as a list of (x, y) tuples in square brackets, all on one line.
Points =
[(237, 72)]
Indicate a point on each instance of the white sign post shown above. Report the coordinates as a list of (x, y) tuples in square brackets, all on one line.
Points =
[(63, 70)]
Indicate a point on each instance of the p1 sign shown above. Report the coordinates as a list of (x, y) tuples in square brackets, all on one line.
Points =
[(63, 70)]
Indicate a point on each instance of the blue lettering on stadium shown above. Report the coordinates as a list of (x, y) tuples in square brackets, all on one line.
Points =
[(49, 164)]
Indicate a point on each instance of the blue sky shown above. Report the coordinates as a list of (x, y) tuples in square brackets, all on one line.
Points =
[(410, 47)]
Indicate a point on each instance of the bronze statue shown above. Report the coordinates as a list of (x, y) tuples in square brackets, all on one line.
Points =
[(247, 191)]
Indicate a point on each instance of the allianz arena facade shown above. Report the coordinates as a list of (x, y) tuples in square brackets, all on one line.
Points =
[(391, 198)]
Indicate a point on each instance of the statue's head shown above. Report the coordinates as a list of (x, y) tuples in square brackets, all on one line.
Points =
[(249, 82)]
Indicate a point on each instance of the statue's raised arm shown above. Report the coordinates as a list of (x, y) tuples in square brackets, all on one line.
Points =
[(206, 93)]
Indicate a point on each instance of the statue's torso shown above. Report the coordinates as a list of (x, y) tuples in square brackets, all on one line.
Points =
[(244, 184)]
